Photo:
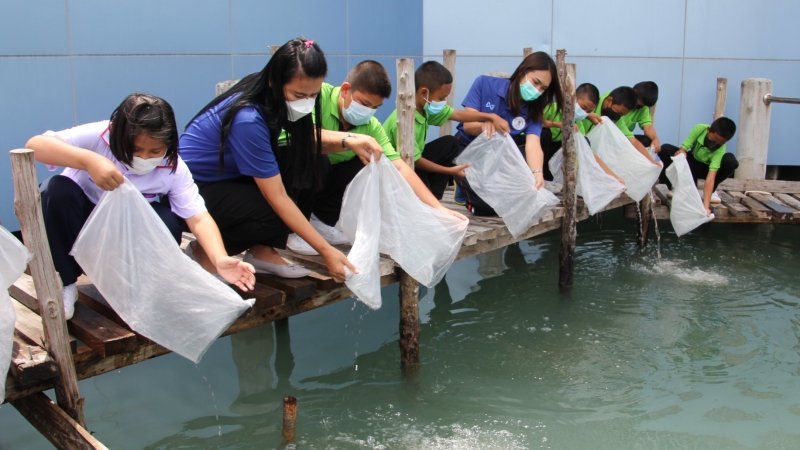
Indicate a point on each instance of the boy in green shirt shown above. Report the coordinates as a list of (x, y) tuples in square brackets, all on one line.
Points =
[(586, 98), (434, 160), (350, 109), (616, 105), (707, 157), (646, 98)]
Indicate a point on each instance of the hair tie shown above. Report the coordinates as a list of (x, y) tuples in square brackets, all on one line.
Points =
[(308, 43)]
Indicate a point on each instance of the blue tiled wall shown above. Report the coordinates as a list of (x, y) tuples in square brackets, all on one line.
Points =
[(65, 62)]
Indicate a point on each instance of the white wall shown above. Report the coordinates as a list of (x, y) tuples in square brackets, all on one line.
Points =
[(683, 45)]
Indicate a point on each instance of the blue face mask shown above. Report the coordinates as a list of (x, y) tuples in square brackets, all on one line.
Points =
[(358, 114), (528, 92), (433, 108)]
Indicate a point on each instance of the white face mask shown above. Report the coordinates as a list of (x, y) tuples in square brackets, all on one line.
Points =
[(142, 166), (300, 108), (580, 114)]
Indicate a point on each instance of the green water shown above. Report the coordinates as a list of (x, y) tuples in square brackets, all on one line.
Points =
[(698, 350)]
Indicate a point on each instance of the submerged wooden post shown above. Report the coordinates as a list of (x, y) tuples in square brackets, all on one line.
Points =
[(722, 97), (449, 62), (28, 206), (409, 288), (754, 116), (289, 419), (569, 220)]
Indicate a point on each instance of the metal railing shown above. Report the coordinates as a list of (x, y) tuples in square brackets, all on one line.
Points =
[(769, 98)]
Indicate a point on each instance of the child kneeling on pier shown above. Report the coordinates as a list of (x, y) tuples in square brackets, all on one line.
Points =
[(139, 143), (708, 158)]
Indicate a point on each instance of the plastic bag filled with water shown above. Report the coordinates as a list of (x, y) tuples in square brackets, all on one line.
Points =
[(13, 259), (424, 241), (360, 219), (162, 294), (593, 184), (500, 176), (686, 211), (638, 173)]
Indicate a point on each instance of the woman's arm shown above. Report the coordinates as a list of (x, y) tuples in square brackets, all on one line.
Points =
[(238, 272), (273, 191), (534, 156)]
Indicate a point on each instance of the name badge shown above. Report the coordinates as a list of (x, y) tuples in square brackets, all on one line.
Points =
[(518, 123)]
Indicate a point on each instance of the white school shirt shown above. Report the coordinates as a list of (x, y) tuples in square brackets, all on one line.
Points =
[(184, 197)]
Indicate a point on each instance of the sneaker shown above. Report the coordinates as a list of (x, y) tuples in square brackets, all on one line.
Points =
[(69, 295), (296, 244), (459, 196), (333, 235), (282, 270), (715, 198)]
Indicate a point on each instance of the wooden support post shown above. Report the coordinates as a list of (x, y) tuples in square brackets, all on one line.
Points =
[(409, 288), (406, 108), (54, 424), (28, 206), (569, 220), (409, 321), (722, 97), (645, 213), (289, 419), (449, 62), (754, 116), (526, 51), (273, 49)]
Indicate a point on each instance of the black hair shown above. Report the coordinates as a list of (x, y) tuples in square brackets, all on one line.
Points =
[(589, 90), (646, 92), (264, 91), (624, 96), (370, 77), (724, 127), (534, 61), (141, 114), (432, 75)]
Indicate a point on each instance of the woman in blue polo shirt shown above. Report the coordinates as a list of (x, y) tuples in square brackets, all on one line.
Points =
[(253, 188), (520, 100)]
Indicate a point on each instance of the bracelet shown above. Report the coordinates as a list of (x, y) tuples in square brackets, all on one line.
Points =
[(344, 139)]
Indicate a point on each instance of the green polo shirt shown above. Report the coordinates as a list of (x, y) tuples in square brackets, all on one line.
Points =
[(622, 123), (696, 145), (640, 115), (329, 107), (421, 123), (553, 114)]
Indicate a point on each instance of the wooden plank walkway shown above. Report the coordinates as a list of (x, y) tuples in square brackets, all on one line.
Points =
[(102, 342), (744, 201)]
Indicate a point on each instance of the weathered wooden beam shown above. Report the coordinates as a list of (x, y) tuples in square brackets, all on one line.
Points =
[(722, 98), (55, 424), (785, 187), (409, 320), (406, 109), (449, 62), (28, 206), (570, 167), (754, 118), (30, 364)]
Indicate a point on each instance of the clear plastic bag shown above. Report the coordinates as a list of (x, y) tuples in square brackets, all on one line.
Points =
[(596, 187), (422, 240), (162, 294), (13, 259), (622, 157), (686, 211), (361, 220), (500, 176)]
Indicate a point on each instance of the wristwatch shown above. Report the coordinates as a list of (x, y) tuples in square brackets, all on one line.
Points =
[(345, 138)]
